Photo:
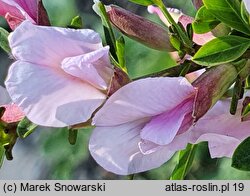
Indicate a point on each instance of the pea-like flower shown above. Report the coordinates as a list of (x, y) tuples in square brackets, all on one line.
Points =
[(60, 76), (144, 123)]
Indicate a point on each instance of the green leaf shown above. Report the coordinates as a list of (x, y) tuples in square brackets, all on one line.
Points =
[(204, 21), (244, 13), (76, 23), (146, 2), (241, 156), (108, 31), (175, 41), (228, 12), (25, 127), (186, 158), (246, 110), (120, 47), (4, 43), (72, 136), (221, 30), (221, 50)]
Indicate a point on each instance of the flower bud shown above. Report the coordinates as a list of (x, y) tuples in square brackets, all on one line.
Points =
[(140, 29), (211, 85), (42, 15), (197, 3), (119, 79)]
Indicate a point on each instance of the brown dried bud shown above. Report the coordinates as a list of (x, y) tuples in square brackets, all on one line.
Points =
[(140, 29)]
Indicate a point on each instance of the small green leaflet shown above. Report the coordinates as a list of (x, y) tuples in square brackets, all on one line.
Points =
[(72, 136), (120, 47), (228, 12), (186, 158), (4, 43), (108, 31), (204, 21), (241, 156), (221, 50), (25, 127), (76, 23)]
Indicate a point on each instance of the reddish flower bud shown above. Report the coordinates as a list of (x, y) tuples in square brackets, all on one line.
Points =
[(140, 29), (211, 85), (42, 15), (197, 3)]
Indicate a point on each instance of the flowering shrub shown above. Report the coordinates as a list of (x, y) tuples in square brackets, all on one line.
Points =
[(70, 77)]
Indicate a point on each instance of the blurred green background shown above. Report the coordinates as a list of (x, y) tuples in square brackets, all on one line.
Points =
[(47, 154)]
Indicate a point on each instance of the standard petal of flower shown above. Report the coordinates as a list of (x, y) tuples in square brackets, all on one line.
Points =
[(220, 145), (228, 128), (219, 120), (143, 98), (163, 128), (53, 43), (93, 67), (4, 96), (49, 97), (116, 149)]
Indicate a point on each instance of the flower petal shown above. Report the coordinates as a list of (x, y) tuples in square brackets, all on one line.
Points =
[(143, 98), (29, 6), (93, 67), (50, 45), (163, 128), (49, 97), (116, 149), (220, 145), (218, 120), (222, 130)]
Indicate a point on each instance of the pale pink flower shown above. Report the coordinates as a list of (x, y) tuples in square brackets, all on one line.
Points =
[(12, 112), (61, 75), (144, 123), (178, 16), (16, 11), (140, 116)]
